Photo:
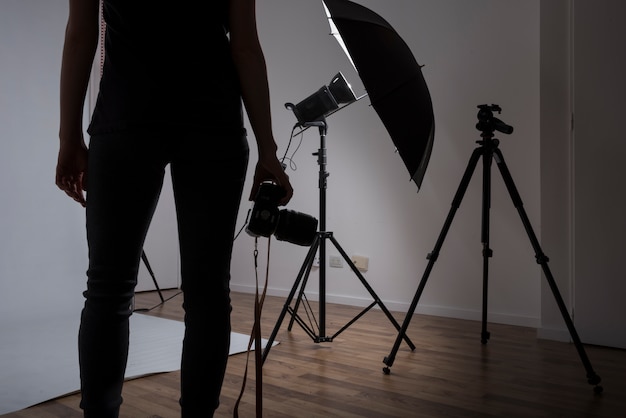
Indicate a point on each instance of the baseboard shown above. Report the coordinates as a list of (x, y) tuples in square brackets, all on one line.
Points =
[(554, 334), (402, 307)]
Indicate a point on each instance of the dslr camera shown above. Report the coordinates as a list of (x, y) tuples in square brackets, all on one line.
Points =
[(286, 225)]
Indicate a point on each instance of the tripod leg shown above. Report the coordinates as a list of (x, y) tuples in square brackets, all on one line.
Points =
[(487, 252), (542, 259), (306, 266), (432, 257)]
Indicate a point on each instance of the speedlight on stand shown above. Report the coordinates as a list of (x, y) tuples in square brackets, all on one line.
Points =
[(489, 152), (316, 329)]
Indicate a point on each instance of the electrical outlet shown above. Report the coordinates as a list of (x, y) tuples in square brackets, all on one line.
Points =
[(360, 262), (316, 261), (335, 261)]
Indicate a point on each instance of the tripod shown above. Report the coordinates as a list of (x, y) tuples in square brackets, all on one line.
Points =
[(489, 151), (319, 243)]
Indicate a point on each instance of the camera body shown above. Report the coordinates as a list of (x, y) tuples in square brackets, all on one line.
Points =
[(287, 225)]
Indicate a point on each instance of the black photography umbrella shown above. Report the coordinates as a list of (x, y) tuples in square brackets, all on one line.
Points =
[(392, 78)]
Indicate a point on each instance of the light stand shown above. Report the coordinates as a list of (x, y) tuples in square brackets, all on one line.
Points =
[(144, 258), (319, 242), (489, 151)]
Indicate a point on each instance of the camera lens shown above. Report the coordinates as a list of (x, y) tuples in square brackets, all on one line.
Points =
[(296, 227)]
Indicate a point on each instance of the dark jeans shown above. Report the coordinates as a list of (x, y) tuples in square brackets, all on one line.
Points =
[(124, 182)]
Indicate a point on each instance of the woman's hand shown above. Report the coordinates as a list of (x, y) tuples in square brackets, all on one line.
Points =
[(268, 168), (71, 171)]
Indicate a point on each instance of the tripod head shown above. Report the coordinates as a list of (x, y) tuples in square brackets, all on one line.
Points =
[(487, 123)]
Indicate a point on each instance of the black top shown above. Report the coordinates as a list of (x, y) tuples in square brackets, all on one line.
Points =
[(167, 67)]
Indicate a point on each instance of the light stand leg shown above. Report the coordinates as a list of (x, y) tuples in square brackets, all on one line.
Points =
[(145, 261), (304, 273), (542, 259), (371, 291), (302, 296), (310, 328)]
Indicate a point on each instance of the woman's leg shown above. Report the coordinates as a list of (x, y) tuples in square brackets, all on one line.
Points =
[(208, 180), (124, 182)]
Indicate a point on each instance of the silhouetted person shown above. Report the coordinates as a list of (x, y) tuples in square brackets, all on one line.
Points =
[(173, 82)]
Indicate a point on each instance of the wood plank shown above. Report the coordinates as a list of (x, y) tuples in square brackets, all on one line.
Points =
[(450, 373)]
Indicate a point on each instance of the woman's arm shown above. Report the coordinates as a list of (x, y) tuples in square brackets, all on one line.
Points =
[(250, 63), (81, 40)]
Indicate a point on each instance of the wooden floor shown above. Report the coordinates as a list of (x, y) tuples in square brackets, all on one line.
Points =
[(449, 374)]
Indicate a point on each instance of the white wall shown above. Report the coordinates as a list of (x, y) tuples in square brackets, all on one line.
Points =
[(599, 154), (581, 207), (485, 51), (42, 247), (474, 53), (556, 156)]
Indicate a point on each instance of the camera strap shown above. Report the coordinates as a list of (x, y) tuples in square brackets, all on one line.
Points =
[(255, 336)]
